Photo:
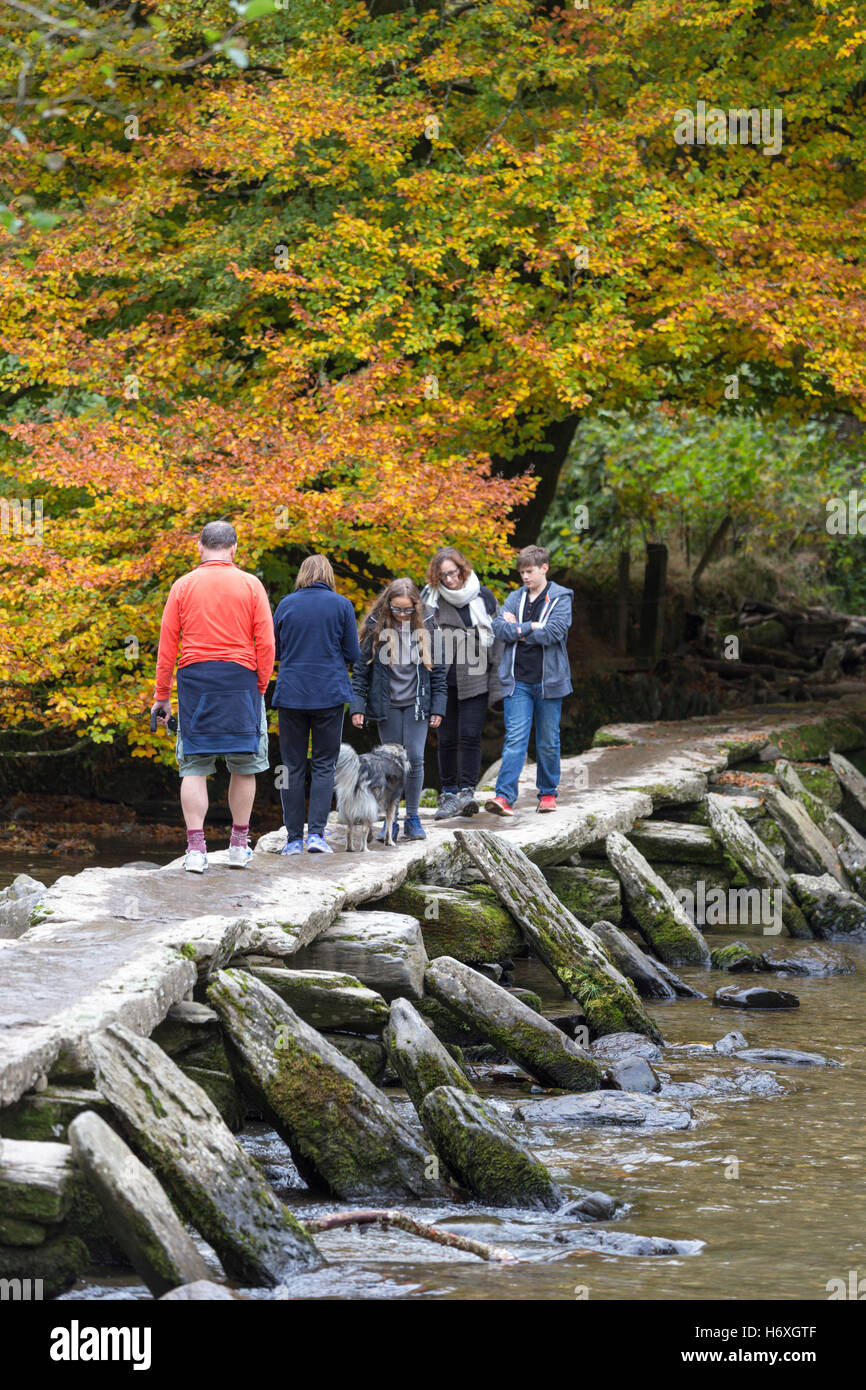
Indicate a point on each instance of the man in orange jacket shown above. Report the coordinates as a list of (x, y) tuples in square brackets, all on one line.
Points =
[(222, 619)]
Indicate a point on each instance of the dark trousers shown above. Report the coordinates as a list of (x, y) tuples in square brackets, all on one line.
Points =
[(326, 727), (460, 740)]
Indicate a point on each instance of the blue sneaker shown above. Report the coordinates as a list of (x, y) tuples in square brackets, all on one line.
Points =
[(413, 829), (395, 831), (293, 847), (317, 844)]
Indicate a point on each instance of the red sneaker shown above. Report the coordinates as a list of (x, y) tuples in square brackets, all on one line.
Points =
[(546, 803), (499, 805)]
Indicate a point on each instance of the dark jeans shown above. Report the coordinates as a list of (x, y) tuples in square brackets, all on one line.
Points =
[(296, 725), (460, 740), (401, 726)]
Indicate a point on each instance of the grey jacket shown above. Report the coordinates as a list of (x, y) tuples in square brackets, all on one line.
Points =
[(476, 668), (552, 635)]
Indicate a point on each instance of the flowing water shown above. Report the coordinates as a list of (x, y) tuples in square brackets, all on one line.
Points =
[(766, 1195)]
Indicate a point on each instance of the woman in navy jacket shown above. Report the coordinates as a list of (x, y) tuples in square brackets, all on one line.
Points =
[(315, 635)]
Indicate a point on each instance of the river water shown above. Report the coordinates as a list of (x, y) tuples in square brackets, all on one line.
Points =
[(769, 1192)]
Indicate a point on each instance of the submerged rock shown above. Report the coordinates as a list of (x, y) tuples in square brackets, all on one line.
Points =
[(738, 958), (660, 918), (816, 959), (345, 1136), (634, 963), (617, 1046), (483, 1155), (529, 1039), (139, 1214), (607, 1108), (785, 1057), (174, 1125), (609, 1001), (830, 909), (632, 1073), (760, 1084), (418, 1057), (754, 997)]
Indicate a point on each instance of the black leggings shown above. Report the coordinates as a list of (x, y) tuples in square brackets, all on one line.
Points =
[(326, 727), (459, 744)]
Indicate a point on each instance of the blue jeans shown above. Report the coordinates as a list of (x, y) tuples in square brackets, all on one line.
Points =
[(521, 708), (401, 726)]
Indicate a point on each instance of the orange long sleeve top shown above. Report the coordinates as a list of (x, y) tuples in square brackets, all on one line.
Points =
[(217, 612)]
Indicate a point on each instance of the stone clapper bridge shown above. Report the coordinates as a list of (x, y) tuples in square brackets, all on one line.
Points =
[(123, 946)]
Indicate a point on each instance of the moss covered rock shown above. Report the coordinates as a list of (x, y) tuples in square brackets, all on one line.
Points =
[(469, 924), (530, 1040), (176, 1128), (418, 1057), (660, 919), (588, 893), (345, 1136), (45, 1270), (738, 958), (136, 1208), (46, 1115), (483, 1154)]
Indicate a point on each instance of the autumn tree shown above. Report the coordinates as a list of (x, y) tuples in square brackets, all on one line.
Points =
[(351, 275)]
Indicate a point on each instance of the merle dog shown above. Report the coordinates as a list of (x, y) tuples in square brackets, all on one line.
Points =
[(368, 787)]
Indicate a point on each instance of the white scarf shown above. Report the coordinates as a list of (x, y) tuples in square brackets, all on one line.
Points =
[(458, 598)]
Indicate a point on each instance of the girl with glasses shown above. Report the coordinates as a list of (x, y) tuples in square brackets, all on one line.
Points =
[(400, 684), (464, 610)]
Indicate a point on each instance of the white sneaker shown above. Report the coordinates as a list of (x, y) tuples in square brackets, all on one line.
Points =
[(239, 856), (195, 862)]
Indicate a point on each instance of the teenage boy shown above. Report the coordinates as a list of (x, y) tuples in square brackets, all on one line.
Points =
[(535, 675)]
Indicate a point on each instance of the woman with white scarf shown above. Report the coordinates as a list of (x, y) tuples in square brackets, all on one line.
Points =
[(464, 611)]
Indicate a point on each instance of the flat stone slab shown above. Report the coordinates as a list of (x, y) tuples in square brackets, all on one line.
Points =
[(326, 999), (218, 1188), (139, 1214), (418, 1057), (604, 1108), (384, 950), (37, 1181), (126, 944)]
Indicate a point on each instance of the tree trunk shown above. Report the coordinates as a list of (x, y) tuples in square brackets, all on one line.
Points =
[(652, 608), (547, 466)]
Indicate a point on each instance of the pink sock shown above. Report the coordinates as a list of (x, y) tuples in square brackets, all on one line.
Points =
[(239, 836), (195, 840)]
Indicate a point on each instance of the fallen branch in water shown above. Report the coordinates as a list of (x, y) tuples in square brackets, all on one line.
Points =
[(370, 1216)]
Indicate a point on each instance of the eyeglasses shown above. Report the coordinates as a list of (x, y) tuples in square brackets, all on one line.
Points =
[(404, 612), (449, 574)]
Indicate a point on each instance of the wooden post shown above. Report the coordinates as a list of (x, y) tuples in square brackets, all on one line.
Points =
[(622, 603), (652, 608)]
